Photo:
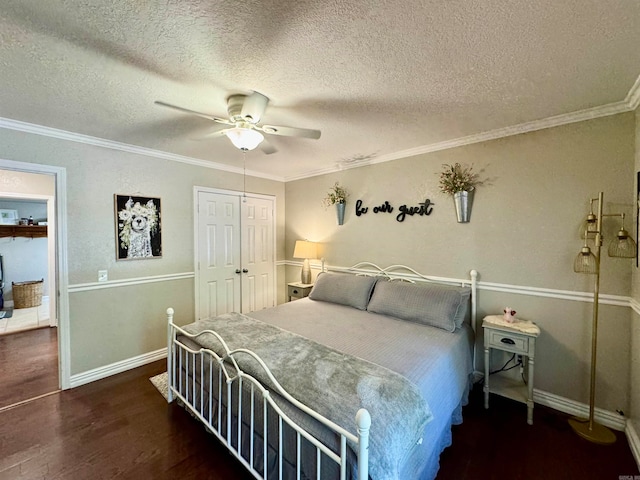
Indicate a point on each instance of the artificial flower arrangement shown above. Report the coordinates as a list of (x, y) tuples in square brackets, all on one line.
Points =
[(459, 178), (336, 194)]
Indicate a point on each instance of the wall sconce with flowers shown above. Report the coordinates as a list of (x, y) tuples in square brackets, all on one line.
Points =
[(460, 181), (337, 196)]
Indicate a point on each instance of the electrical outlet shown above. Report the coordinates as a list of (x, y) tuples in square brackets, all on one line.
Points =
[(103, 276)]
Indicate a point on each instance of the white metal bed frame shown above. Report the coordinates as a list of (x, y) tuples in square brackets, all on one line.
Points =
[(182, 387)]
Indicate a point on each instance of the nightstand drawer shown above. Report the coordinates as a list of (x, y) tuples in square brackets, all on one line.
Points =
[(295, 291), (509, 342), (298, 290)]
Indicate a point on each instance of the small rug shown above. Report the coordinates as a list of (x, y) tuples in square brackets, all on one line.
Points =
[(160, 382)]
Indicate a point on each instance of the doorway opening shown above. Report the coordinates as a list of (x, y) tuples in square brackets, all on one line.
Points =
[(34, 336)]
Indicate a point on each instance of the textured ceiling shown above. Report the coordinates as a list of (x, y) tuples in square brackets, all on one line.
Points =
[(377, 78)]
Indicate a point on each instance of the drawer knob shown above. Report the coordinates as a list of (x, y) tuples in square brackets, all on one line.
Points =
[(295, 291), (508, 341)]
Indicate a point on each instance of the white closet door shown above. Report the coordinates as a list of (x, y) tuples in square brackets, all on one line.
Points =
[(218, 255), (235, 254), (258, 282)]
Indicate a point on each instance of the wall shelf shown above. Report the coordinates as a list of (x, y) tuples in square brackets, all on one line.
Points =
[(31, 231)]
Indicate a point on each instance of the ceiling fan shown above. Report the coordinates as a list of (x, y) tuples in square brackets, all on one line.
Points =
[(243, 128)]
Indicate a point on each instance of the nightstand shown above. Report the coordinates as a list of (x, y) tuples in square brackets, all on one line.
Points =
[(299, 290), (519, 338)]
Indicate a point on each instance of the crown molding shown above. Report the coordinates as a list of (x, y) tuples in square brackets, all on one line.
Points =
[(630, 103), (549, 122), (25, 127)]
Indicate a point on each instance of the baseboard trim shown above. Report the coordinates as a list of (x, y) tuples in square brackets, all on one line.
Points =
[(634, 441), (571, 407), (117, 367)]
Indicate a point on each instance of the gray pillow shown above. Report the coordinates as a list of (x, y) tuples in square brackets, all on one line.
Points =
[(345, 289), (436, 305)]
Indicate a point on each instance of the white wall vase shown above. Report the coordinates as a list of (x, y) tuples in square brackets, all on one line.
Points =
[(463, 202), (340, 212)]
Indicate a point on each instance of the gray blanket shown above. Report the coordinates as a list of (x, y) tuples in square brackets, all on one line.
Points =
[(332, 383)]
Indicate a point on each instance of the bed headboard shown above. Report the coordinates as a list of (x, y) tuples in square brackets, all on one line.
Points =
[(408, 274)]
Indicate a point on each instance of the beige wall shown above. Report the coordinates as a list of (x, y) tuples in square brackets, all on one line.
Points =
[(524, 231), (635, 330), (110, 325), (25, 184)]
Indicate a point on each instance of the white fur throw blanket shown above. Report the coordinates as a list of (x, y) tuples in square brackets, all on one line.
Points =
[(334, 384)]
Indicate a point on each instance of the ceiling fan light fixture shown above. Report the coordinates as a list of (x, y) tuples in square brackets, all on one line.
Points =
[(244, 138)]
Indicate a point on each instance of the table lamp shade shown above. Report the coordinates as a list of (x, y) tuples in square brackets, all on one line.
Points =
[(304, 249)]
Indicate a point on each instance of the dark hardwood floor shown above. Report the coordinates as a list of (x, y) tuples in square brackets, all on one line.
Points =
[(28, 365), (498, 444), (121, 427)]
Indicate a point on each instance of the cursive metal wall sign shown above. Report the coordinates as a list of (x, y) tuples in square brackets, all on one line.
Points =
[(422, 209)]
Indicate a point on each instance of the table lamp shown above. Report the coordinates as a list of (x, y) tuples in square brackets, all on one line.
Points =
[(306, 250)]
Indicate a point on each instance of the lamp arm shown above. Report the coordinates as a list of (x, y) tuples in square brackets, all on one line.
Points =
[(614, 215)]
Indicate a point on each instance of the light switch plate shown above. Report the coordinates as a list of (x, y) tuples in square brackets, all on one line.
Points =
[(103, 276)]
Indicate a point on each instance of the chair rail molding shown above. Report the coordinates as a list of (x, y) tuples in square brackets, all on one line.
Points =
[(606, 299), (126, 282)]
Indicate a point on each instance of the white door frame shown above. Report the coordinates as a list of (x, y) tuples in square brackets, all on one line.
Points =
[(196, 190), (62, 281)]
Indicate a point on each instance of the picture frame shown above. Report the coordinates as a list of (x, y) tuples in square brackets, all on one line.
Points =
[(138, 227), (9, 217)]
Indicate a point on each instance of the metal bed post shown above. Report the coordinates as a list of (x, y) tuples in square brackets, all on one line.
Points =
[(363, 421), (170, 350), (474, 300)]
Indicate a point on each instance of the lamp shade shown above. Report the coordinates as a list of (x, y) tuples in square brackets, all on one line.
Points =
[(244, 138), (622, 246), (304, 249), (585, 262)]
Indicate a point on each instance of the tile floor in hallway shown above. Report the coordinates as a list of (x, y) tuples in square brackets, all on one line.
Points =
[(26, 319)]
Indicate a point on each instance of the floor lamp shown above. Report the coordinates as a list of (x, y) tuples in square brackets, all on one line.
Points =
[(588, 262)]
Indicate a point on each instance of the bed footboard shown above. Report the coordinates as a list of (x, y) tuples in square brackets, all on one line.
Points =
[(270, 432)]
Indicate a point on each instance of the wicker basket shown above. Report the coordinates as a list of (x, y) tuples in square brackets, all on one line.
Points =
[(27, 294)]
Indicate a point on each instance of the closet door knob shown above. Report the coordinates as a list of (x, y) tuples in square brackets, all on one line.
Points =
[(238, 271), (244, 270)]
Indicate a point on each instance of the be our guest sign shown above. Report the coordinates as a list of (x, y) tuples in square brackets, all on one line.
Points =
[(422, 209)]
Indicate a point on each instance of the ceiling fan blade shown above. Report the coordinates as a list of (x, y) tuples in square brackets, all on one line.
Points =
[(290, 131), (215, 134), (253, 107), (267, 148), (193, 112)]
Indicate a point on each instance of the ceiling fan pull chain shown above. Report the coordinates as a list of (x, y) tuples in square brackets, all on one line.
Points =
[(244, 176)]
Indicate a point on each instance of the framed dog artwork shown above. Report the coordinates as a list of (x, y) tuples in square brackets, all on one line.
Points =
[(138, 228)]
